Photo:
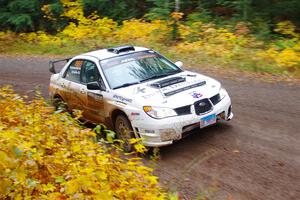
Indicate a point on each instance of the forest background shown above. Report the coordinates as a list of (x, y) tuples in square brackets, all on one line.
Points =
[(48, 154), (248, 35)]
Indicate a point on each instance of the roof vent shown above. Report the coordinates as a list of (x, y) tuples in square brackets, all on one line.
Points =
[(120, 49)]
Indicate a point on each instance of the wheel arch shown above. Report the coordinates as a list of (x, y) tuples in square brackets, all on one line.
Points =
[(117, 112), (57, 96)]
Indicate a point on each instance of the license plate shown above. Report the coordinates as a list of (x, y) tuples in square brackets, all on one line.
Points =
[(208, 120)]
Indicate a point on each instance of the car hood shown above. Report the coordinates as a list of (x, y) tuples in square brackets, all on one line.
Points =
[(194, 87)]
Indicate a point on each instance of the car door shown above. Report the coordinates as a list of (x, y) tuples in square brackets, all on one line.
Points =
[(73, 85), (93, 99)]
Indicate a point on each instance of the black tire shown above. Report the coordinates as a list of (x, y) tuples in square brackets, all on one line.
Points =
[(124, 132), (59, 104)]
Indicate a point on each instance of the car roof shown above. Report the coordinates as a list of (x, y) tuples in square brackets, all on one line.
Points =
[(104, 53)]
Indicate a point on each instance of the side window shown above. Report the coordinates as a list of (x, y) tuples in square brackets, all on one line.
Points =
[(89, 72), (73, 72)]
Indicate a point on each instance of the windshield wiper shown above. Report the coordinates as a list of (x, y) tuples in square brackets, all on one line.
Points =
[(160, 76), (126, 85)]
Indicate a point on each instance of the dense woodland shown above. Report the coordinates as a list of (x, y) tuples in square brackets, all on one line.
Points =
[(27, 15), (252, 35)]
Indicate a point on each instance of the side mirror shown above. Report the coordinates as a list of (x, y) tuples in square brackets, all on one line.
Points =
[(52, 68), (95, 86), (179, 64)]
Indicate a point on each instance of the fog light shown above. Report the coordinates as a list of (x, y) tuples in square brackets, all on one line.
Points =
[(149, 131), (168, 134), (221, 115)]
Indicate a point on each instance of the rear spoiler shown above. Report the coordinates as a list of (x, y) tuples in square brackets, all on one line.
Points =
[(52, 64)]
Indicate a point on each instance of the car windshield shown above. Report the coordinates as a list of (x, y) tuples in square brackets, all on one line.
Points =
[(126, 70)]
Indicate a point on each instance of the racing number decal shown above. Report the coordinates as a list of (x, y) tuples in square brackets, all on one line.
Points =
[(78, 63)]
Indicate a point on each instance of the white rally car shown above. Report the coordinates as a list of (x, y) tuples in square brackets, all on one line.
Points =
[(137, 89)]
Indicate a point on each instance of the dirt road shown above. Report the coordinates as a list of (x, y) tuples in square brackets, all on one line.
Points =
[(255, 156)]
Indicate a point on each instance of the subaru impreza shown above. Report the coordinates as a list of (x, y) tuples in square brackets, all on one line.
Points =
[(139, 93)]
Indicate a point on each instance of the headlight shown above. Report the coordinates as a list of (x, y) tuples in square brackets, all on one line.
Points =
[(223, 93), (159, 112)]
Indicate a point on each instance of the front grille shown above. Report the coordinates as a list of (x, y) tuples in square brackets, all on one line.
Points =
[(202, 106), (184, 110), (215, 99)]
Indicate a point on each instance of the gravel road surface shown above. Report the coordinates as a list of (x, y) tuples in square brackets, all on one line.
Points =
[(254, 156)]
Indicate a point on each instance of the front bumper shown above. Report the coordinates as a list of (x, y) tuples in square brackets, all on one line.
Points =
[(162, 132)]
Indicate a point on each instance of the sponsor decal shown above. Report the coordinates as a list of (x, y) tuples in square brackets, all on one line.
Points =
[(184, 88), (135, 114), (191, 75), (196, 95), (176, 88), (138, 90), (122, 99), (97, 97), (151, 94), (165, 101)]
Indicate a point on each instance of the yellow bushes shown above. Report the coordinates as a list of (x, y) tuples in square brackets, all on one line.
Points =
[(239, 45), (212, 41), (41, 38), (287, 57), (284, 53), (82, 27), (89, 28), (135, 29), (234, 46), (46, 155)]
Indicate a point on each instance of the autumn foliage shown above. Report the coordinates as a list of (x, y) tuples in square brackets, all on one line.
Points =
[(194, 41), (47, 155)]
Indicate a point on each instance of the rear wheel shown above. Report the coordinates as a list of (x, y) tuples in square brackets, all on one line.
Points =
[(124, 132)]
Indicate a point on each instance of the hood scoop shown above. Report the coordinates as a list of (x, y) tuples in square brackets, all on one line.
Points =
[(168, 81)]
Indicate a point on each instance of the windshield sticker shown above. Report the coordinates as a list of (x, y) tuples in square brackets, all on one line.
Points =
[(124, 59), (147, 56), (127, 60), (74, 70), (122, 99)]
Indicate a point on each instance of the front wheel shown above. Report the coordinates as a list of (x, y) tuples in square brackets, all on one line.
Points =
[(59, 104), (124, 132)]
